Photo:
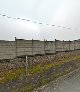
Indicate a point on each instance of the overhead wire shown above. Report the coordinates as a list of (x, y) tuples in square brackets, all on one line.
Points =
[(28, 20)]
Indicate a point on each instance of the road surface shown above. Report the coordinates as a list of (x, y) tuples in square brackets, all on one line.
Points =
[(69, 84)]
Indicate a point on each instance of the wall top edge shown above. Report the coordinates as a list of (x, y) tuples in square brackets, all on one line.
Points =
[(36, 40)]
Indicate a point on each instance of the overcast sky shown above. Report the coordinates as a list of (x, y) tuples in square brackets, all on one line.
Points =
[(57, 12)]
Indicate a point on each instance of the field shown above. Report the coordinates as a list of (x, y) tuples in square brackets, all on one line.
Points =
[(37, 75)]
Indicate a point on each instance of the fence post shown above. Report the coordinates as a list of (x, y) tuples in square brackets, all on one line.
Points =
[(74, 44), (32, 46), (63, 45), (26, 66), (44, 46), (69, 45), (15, 47), (55, 45)]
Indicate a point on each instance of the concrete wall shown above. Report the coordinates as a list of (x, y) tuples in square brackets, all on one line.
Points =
[(77, 44), (38, 47), (23, 47), (49, 46), (32, 60), (59, 45), (19, 47), (7, 49)]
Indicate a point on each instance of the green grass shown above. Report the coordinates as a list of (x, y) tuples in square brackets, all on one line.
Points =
[(43, 80), (40, 68), (37, 69), (12, 75), (27, 88)]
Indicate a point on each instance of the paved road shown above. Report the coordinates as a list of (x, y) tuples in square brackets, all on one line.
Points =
[(70, 84)]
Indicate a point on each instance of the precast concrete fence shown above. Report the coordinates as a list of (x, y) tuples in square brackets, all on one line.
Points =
[(22, 47)]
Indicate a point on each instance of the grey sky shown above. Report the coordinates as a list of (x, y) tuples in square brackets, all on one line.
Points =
[(57, 12)]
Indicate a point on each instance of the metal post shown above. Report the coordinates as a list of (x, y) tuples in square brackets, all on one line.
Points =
[(74, 44), (63, 45), (55, 46), (15, 47), (32, 46), (69, 45), (26, 66), (44, 46)]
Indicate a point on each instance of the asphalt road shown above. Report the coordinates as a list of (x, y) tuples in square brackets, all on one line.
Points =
[(70, 84)]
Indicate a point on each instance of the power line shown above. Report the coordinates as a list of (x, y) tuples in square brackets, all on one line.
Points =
[(3, 15)]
